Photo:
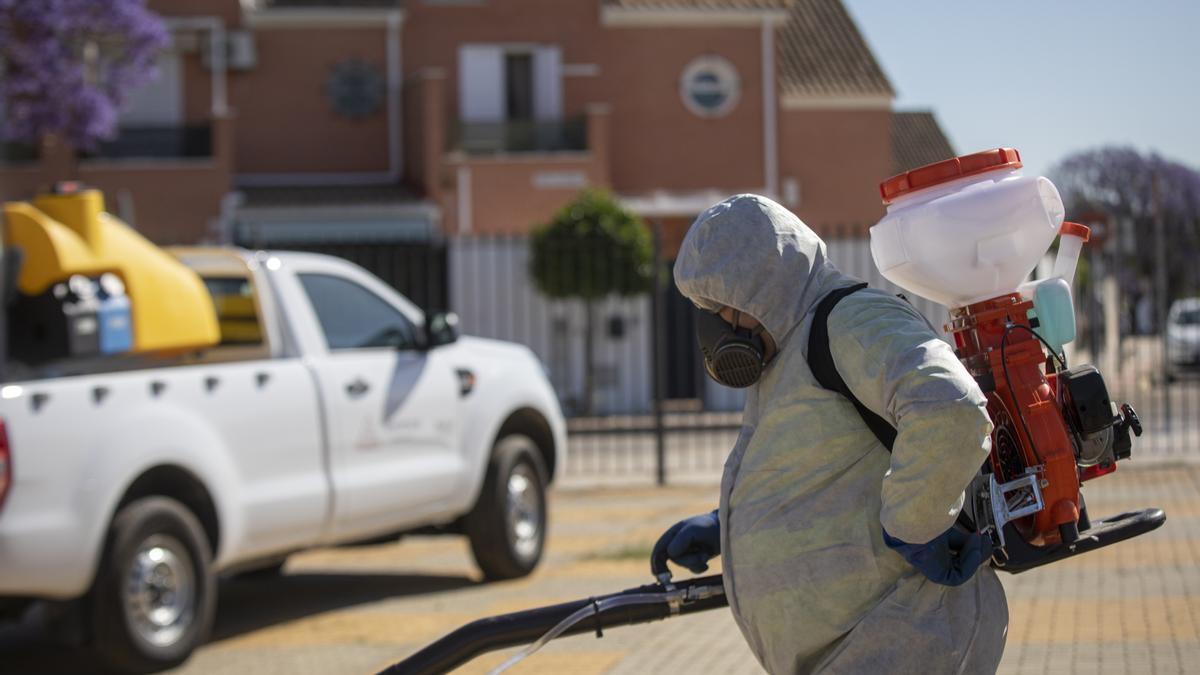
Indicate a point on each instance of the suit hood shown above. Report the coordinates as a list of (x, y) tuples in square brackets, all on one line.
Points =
[(750, 253)]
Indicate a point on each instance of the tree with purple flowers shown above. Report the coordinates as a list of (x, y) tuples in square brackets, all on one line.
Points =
[(1120, 182), (67, 65), (1131, 189)]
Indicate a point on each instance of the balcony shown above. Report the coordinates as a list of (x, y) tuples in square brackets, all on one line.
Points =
[(17, 153), (183, 142), (168, 183), (516, 137)]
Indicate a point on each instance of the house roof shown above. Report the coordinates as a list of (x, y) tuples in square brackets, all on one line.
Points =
[(917, 140), (722, 5), (823, 54)]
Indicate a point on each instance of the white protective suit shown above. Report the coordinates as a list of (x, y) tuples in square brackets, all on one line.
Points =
[(807, 487)]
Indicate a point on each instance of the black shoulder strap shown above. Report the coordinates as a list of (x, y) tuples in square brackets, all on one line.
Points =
[(820, 361)]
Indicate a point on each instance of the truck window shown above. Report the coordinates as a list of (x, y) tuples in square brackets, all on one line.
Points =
[(352, 317), (1188, 317), (233, 298)]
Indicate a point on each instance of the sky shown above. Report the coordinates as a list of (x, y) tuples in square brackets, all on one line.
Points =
[(1047, 77)]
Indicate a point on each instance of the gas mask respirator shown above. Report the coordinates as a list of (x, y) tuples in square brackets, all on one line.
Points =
[(734, 357)]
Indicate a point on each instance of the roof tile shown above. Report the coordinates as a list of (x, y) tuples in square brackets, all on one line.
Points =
[(917, 140), (699, 4), (822, 53)]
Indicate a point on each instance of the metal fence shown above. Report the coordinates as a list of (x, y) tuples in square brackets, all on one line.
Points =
[(1139, 330), (190, 141), (652, 414), (416, 270), (521, 136)]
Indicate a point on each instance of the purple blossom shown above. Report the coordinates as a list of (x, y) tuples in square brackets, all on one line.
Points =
[(1120, 183), (66, 65)]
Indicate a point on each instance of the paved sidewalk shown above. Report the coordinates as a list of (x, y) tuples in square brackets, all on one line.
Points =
[(1130, 608)]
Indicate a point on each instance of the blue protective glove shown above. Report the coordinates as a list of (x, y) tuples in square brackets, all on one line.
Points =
[(950, 559), (690, 543)]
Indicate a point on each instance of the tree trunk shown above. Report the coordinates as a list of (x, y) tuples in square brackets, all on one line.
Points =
[(56, 160), (589, 357)]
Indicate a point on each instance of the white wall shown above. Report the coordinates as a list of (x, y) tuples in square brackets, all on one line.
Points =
[(491, 291), (853, 256)]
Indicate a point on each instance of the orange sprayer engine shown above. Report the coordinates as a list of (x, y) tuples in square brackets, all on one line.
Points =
[(1054, 429)]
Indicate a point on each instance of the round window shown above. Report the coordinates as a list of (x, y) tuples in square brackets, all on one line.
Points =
[(710, 86), (355, 88)]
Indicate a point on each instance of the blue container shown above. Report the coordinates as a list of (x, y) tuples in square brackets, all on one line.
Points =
[(115, 316), (1055, 312)]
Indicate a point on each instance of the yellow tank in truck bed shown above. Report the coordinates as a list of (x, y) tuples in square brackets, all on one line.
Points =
[(66, 234)]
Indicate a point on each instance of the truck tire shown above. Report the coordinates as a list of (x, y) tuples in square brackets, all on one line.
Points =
[(507, 526), (155, 593)]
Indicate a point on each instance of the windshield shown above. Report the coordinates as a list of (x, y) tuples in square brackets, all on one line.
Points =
[(1188, 317)]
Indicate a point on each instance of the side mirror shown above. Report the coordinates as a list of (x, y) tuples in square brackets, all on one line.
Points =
[(441, 328)]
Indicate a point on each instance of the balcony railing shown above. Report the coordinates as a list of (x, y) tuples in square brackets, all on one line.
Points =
[(483, 138), (156, 143), (12, 152)]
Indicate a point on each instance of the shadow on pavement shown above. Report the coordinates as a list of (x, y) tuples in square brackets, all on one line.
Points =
[(244, 605), (247, 605)]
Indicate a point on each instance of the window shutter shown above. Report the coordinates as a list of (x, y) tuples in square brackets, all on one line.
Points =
[(480, 83), (547, 87)]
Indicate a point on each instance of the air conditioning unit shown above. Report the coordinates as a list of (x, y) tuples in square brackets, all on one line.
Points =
[(240, 51)]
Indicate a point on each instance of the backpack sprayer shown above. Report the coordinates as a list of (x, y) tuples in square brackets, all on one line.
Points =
[(965, 233)]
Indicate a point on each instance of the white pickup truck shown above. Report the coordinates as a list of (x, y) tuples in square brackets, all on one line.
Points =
[(334, 411)]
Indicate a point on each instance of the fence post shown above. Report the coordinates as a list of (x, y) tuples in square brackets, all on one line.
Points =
[(1095, 263), (1160, 289), (658, 357)]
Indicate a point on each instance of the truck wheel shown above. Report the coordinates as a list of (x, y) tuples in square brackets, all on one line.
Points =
[(507, 527), (155, 593)]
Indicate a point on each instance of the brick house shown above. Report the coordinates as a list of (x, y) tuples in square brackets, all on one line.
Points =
[(383, 130)]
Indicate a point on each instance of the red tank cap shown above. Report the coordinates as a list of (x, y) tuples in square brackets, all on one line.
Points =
[(1082, 231), (948, 170)]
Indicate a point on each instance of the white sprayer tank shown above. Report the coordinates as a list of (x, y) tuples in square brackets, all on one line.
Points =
[(967, 229)]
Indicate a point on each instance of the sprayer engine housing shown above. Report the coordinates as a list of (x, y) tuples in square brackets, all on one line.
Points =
[(1099, 429)]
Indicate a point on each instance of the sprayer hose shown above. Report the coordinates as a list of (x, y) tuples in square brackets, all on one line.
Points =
[(518, 628)]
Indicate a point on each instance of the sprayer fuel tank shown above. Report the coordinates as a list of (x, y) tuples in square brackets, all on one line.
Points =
[(966, 229)]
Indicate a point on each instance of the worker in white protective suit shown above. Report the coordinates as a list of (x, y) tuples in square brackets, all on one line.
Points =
[(838, 556)]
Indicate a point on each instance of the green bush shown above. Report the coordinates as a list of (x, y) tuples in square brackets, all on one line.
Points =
[(592, 248)]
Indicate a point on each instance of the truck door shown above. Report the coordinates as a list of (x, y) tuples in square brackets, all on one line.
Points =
[(391, 407)]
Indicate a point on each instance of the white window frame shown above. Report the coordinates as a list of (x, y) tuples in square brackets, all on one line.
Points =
[(725, 70)]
